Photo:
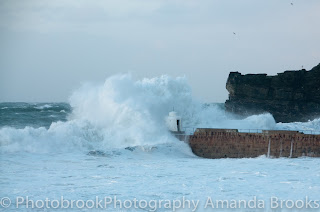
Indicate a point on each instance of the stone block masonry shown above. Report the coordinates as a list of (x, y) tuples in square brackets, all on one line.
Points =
[(226, 143)]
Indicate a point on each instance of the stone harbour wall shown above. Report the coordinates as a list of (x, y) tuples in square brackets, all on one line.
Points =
[(224, 143)]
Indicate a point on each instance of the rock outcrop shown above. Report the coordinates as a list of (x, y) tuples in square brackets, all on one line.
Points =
[(289, 96)]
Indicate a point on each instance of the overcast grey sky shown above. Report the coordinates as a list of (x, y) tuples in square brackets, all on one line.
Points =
[(48, 48)]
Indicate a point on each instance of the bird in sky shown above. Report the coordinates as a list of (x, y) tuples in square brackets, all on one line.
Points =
[(292, 4), (234, 33)]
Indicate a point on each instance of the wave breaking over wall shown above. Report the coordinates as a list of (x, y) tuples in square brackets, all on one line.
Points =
[(123, 112)]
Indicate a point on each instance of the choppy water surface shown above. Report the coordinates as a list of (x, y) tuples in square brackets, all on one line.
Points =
[(110, 140)]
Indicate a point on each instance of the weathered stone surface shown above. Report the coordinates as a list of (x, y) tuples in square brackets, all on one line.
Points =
[(289, 96), (220, 143)]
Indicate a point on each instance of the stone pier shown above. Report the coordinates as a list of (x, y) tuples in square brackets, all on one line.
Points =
[(228, 143)]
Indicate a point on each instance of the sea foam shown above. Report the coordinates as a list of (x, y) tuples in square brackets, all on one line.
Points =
[(124, 112)]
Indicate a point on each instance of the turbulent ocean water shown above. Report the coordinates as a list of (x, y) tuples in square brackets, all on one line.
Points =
[(110, 141)]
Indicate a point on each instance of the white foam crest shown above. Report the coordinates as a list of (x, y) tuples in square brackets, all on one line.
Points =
[(133, 112), (126, 112), (312, 126), (41, 107), (60, 137), (130, 112), (215, 117)]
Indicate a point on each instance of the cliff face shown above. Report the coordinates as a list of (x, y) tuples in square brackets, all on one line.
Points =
[(289, 96)]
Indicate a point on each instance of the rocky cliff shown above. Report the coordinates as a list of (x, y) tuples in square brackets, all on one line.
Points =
[(289, 96)]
